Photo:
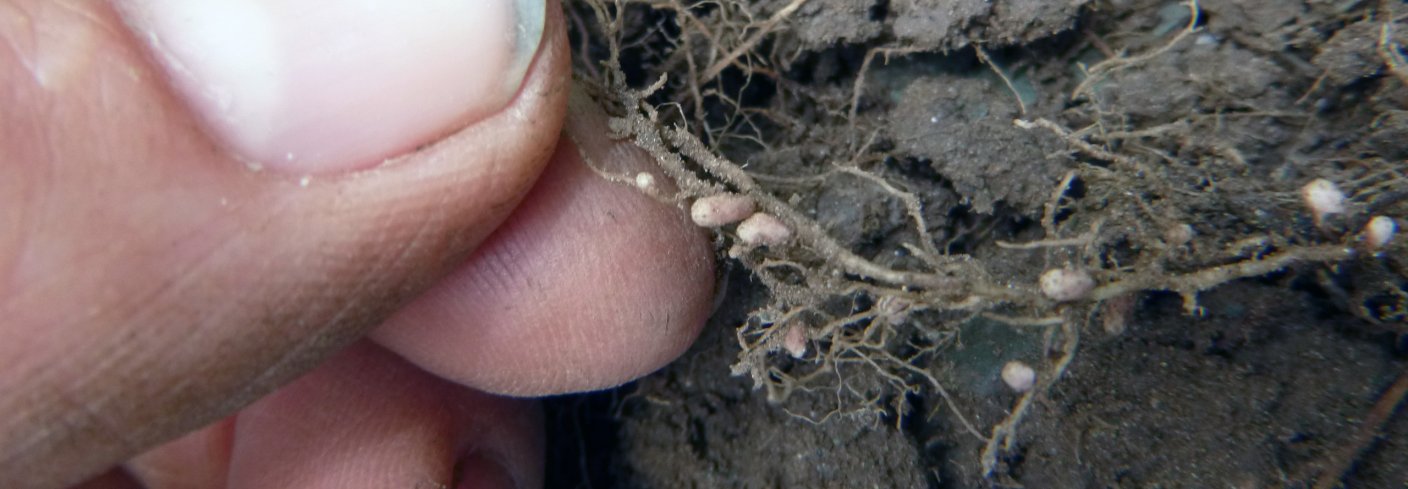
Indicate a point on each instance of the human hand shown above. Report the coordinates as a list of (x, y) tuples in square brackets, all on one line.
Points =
[(152, 283)]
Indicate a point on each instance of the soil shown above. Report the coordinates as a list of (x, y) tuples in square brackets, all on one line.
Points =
[(1274, 380)]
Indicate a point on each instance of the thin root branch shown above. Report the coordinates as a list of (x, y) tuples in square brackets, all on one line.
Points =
[(718, 67)]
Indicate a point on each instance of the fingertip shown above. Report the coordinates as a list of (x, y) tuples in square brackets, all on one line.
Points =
[(589, 285)]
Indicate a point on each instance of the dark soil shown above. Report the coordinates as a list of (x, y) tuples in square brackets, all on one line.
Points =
[(1270, 385)]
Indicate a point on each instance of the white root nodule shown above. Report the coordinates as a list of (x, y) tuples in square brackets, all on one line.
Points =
[(1066, 284), (1379, 232), (1179, 235), (1019, 376), (1323, 198), (764, 229), (645, 181), (721, 210), (794, 340)]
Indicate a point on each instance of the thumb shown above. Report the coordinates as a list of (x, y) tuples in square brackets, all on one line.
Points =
[(203, 199)]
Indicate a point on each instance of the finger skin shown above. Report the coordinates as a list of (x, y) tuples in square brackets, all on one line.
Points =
[(112, 479), (589, 285), (198, 460), (367, 419), (151, 284)]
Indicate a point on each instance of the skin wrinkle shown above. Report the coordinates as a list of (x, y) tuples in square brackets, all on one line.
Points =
[(30, 182), (600, 324), (31, 51), (74, 417), (183, 281), (506, 263), (104, 251), (605, 222), (618, 279), (347, 309), (94, 409), (202, 328), (504, 277), (16, 219), (19, 16), (116, 354), (93, 22), (20, 446), (394, 389)]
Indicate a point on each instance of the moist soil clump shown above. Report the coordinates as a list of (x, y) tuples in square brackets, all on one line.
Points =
[(934, 158)]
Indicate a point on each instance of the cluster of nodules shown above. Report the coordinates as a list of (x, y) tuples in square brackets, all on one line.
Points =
[(1322, 197), (1325, 199), (755, 228)]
